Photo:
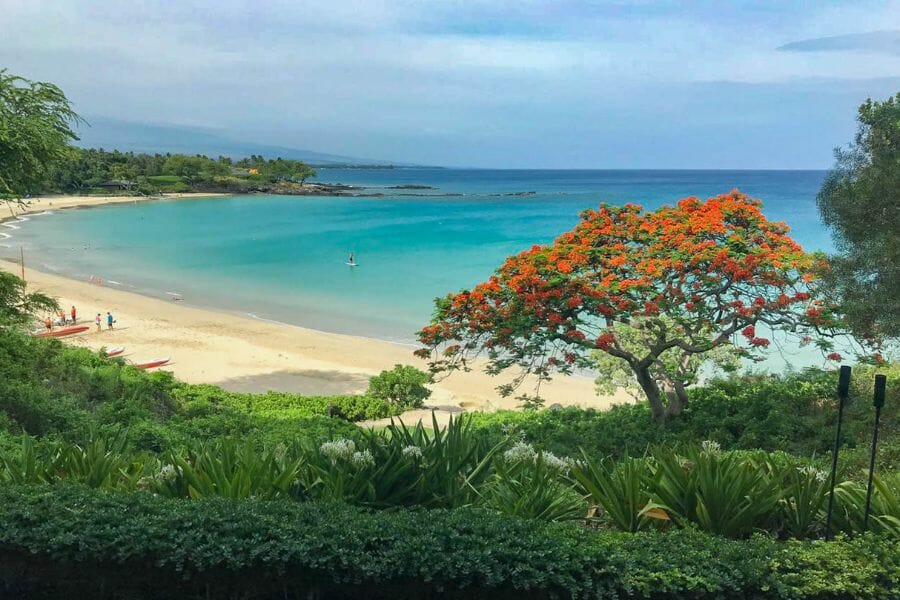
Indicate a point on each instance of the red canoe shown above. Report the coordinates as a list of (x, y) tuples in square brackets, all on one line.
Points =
[(63, 332), (153, 363)]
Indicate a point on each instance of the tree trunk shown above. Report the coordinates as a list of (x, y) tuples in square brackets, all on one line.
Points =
[(677, 397), (651, 390), (667, 398)]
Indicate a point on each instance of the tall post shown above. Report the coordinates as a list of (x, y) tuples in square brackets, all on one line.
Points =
[(22, 260), (878, 401), (843, 391)]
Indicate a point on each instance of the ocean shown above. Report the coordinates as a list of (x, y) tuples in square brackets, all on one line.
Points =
[(284, 258)]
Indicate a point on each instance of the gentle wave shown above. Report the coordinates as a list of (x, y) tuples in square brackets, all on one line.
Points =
[(265, 320)]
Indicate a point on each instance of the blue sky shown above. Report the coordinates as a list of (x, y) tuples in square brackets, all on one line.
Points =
[(480, 82)]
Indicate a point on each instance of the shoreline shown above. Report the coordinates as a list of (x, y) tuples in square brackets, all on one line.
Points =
[(248, 355), (14, 210)]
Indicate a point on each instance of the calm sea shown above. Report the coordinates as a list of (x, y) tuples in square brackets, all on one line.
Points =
[(283, 258)]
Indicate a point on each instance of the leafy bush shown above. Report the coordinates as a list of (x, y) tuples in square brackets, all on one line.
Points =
[(50, 389), (78, 542), (281, 405), (404, 385), (795, 413)]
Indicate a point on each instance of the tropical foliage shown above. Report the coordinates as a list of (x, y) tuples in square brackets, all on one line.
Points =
[(36, 126), (732, 494), (95, 170), (17, 305), (404, 385), (689, 279), (859, 201), (795, 413)]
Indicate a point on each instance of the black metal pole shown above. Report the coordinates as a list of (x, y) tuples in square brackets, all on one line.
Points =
[(843, 391), (878, 401)]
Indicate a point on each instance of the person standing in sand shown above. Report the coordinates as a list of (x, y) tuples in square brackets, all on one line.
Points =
[(48, 323), (97, 321), (74, 316), (109, 320)]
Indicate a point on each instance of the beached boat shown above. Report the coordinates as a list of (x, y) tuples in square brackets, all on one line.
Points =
[(63, 332), (153, 363), (115, 351)]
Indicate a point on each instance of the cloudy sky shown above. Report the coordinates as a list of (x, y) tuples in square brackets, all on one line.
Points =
[(491, 83)]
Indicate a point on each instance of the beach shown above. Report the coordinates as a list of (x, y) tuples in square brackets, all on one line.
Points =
[(244, 354), (42, 203)]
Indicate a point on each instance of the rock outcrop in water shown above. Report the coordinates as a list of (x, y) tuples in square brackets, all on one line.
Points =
[(411, 187)]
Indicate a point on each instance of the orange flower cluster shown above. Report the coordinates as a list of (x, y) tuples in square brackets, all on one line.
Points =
[(713, 266)]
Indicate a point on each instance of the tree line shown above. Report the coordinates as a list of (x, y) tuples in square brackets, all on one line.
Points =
[(81, 170)]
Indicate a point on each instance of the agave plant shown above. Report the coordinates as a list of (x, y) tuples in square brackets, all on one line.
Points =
[(735, 496), (101, 463), (674, 486), (229, 469), (25, 466), (620, 492), (454, 462), (341, 470), (725, 493), (532, 485), (804, 494), (884, 515)]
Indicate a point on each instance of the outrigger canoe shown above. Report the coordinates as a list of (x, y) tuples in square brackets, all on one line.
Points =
[(63, 332), (115, 351), (153, 363)]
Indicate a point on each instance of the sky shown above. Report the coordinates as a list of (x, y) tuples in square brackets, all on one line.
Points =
[(481, 83)]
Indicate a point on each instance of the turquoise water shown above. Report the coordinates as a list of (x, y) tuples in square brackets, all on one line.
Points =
[(283, 258)]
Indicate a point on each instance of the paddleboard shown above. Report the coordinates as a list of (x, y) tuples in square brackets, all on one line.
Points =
[(352, 264)]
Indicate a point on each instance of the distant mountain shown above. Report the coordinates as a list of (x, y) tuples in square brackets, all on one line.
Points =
[(112, 134)]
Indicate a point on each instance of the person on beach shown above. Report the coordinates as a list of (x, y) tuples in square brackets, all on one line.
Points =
[(109, 320), (62, 317), (97, 321), (48, 323), (74, 316)]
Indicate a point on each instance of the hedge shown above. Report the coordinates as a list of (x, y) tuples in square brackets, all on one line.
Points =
[(794, 412), (68, 541), (285, 405)]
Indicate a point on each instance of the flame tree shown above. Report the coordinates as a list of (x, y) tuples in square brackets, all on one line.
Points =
[(689, 279)]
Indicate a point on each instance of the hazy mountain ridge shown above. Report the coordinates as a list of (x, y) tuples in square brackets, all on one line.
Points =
[(112, 134)]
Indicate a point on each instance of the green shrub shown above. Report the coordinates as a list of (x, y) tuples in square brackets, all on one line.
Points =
[(50, 389), (107, 544), (285, 405), (404, 386), (795, 413)]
